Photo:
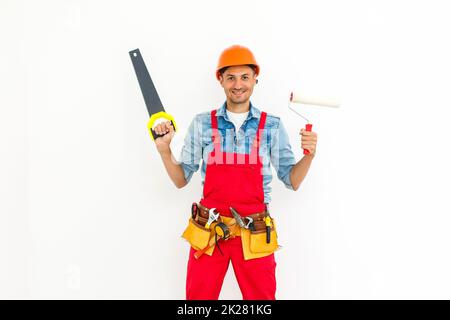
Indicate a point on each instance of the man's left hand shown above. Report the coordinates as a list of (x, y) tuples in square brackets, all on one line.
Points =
[(309, 141)]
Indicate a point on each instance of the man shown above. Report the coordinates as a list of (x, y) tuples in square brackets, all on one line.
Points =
[(237, 144)]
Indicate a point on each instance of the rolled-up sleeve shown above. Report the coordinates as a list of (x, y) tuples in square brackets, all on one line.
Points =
[(281, 155), (191, 153)]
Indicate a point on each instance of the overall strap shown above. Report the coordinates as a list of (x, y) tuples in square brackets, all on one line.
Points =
[(262, 122), (214, 126)]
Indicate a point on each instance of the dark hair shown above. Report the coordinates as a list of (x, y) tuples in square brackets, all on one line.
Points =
[(221, 71)]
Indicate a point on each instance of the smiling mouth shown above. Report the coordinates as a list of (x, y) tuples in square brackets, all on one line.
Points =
[(238, 93)]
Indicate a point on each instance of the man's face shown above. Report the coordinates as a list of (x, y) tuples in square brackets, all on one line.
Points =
[(238, 82)]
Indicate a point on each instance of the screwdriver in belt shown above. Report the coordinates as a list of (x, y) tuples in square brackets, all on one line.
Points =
[(267, 221)]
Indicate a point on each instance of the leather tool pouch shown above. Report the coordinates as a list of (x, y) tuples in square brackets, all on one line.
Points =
[(196, 234), (258, 243)]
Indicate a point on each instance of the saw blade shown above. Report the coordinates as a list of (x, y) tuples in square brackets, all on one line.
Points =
[(151, 97)]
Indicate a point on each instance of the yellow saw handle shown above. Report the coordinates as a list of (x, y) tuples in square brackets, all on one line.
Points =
[(155, 117)]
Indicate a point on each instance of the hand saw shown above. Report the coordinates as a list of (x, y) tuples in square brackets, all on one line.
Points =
[(151, 97)]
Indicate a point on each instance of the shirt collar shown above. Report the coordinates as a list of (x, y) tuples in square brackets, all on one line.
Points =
[(253, 111)]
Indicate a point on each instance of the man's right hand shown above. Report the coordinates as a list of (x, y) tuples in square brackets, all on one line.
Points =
[(163, 143), (174, 169)]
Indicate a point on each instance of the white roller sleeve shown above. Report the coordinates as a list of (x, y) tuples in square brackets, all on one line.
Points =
[(315, 100)]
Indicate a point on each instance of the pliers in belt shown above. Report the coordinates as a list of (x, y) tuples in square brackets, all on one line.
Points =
[(250, 225)]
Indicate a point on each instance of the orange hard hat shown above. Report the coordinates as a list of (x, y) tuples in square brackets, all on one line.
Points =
[(235, 56)]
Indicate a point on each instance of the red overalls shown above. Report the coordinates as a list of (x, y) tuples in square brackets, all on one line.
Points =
[(234, 180)]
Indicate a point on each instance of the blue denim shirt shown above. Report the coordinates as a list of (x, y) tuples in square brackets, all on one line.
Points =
[(274, 148)]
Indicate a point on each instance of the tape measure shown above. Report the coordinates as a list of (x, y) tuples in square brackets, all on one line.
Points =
[(222, 231)]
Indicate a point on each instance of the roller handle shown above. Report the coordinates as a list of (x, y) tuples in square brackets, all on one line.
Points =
[(307, 128)]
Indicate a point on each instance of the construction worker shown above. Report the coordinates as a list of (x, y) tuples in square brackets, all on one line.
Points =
[(237, 143)]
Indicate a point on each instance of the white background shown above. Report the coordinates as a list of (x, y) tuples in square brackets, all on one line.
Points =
[(88, 211)]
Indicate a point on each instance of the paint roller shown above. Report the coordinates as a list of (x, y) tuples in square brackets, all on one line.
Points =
[(321, 101)]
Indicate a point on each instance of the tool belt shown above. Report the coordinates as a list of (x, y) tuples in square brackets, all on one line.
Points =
[(259, 240), (258, 218)]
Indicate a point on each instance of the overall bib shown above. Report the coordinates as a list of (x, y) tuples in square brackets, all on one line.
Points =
[(234, 180)]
